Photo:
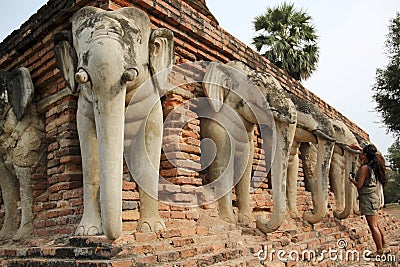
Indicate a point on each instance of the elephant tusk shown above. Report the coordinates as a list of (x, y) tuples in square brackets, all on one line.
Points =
[(319, 133), (354, 151), (130, 75), (81, 76)]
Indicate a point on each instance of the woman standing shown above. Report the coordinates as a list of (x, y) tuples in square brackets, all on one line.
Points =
[(372, 170)]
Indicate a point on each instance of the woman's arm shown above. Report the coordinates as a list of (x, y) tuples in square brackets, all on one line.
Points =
[(361, 177)]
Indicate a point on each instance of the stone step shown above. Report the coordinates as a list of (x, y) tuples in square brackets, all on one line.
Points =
[(200, 253), (299, 238), (62, 252), (210, 248), (212, 245), (247, 261), (71, 263), (205, 260)]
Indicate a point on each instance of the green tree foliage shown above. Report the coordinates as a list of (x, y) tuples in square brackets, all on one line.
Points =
[(289, 38), (387, 86), (392, 189)]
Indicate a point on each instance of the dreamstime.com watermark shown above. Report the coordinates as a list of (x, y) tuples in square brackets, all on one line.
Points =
[(340, 253)]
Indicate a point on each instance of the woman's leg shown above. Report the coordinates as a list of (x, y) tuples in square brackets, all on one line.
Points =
[(376, 232), (382, 237)]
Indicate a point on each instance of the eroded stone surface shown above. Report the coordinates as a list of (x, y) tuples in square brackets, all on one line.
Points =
[(21, 149), (112, 54)]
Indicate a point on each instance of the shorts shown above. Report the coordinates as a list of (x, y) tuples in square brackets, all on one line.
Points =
[(369, 204)]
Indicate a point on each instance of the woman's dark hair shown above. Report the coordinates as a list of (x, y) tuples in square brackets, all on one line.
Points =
[(377, 162)]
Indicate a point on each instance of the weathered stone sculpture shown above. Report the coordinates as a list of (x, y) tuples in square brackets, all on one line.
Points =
[(344, 160), (110, 55), (21, 136), (312, 127), (240, 99), (296, 121)]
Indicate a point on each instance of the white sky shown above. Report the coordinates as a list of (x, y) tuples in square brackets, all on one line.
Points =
[(352, 35)]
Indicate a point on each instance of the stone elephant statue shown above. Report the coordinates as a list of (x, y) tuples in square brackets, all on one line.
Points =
[(240, 98), (110, 54), (313, 127), (21, 147), (344, 161)]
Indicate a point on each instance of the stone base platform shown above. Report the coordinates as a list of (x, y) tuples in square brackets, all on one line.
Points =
[(215, 243)]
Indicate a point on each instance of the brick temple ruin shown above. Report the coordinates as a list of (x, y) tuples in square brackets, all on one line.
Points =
[(194, 236)]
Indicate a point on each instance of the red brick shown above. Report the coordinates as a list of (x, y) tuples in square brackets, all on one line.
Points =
[(180, 197), (129, 185), (76, 202), (177, 214), (201, 230), (53, 146), (68, 142), (65, 186), (75, 193), (188, 231), (130, 215), (151, 259), (145, 237), (71, 159), (187, 253), (52, 213), (128, 195), (39, 223), (168, 256), (65, 212), (122, 263), (129, 226)]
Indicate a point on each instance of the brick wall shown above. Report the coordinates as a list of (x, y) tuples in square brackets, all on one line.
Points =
[(58, 204)]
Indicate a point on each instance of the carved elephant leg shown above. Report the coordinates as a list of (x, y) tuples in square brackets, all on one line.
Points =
[(9, 188), (25, 185), (224, 189), (91, 221), (242, 188), (221, 169), (149, 164), (292, 174)]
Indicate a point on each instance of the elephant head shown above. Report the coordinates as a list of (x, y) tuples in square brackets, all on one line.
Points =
[(107, 56), (344, 161), (257, 98), (312, 127), (16, 88)]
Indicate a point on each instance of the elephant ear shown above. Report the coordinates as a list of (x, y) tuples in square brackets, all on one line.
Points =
[(161, 55), (66, 58), (19, 88), (215, 83)]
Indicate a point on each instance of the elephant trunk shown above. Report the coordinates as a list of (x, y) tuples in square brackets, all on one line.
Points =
[(109, 114), (278, 175), (324, 154), (349, 188), (337, 176)]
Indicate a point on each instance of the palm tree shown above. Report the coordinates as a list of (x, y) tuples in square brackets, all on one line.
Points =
[(289, 39)]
